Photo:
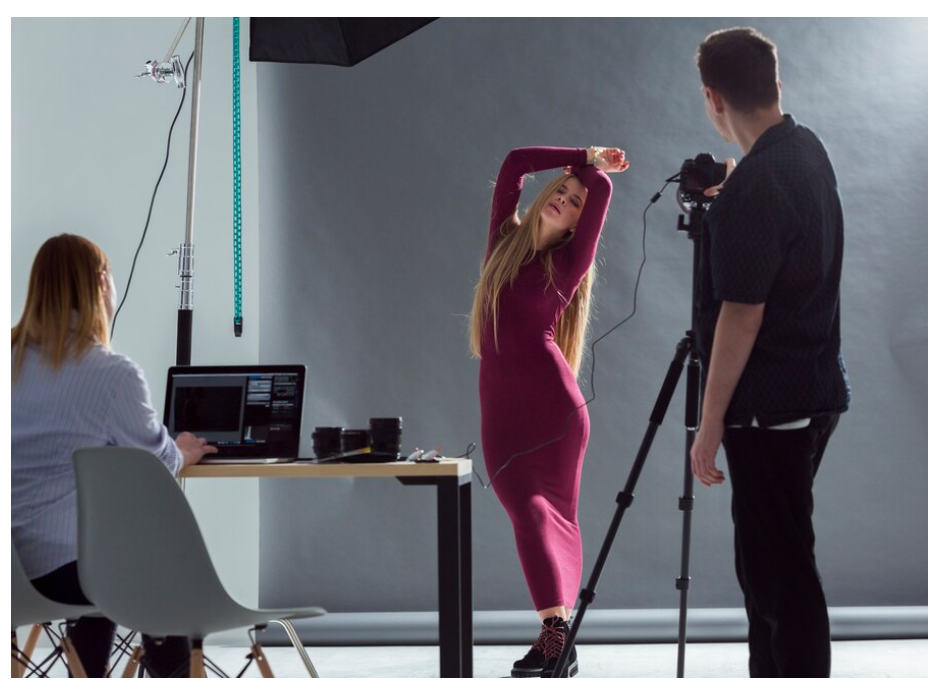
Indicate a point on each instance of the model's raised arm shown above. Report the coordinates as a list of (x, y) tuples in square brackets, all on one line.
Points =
[(519, 163), (580, 252)]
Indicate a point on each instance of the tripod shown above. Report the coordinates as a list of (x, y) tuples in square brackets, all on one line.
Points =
[(685, 351)]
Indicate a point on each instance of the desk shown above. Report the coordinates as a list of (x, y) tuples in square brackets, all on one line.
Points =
[(453, 479)]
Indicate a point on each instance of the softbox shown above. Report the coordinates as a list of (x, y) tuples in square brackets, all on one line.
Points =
[(343, 41)]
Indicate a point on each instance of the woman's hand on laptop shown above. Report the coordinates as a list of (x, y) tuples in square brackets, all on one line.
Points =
[(193, 448)]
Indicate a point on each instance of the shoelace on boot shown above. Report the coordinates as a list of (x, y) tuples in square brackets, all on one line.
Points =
[(540, 644), (555, 640)]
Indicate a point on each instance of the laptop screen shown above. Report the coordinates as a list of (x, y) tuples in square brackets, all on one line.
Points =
[(246, 412)]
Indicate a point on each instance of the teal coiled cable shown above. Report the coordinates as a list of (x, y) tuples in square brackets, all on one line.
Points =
[(236, 180)]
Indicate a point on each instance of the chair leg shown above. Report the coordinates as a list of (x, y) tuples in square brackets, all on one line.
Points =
[(75, 664), (197, 669), (133, 662), (262, 661), (17, 668), (299, 646), (122, 648), (21, 657), (31, 641)]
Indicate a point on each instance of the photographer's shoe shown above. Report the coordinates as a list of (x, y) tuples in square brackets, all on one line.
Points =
[(531, 665), (553, 647)]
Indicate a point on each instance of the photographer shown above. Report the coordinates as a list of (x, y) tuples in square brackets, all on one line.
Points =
[(769, 334)]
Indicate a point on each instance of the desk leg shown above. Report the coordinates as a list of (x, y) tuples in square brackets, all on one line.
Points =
[(467, 602), (449, 578)]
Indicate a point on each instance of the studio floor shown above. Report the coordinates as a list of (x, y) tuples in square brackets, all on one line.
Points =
[(864, 659)]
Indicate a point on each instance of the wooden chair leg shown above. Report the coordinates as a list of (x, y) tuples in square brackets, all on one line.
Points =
[(75, 664), (133, 662), (197, 669), (262, 661), (31, 641), (21, 657), (17, 667)]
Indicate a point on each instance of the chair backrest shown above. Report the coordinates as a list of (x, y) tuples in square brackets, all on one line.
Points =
[(142, 558), (28, 606)]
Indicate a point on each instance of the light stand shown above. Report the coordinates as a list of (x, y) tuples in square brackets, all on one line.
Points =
[(171, 69)]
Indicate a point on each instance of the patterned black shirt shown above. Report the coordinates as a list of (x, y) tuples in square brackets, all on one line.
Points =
[(775, 235)]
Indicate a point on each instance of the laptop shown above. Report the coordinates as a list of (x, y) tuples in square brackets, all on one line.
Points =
[(252, 414)]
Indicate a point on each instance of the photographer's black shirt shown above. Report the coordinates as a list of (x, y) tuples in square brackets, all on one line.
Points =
[(775, 235)]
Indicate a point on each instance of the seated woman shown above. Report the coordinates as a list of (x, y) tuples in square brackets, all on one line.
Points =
[(71, 391)]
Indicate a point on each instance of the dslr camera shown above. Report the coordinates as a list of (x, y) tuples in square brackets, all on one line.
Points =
[(699, 174)]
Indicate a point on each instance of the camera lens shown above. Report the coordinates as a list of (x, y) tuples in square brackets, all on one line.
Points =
[(354, 439), (386, 433), (326, 441)]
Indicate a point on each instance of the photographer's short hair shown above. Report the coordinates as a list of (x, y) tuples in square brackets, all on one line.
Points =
[(742, 65)]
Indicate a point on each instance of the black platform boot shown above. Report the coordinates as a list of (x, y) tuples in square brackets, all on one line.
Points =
[(531, 665), (553, 647)]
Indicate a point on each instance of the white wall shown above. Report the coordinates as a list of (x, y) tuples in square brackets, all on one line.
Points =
[(88, 143)]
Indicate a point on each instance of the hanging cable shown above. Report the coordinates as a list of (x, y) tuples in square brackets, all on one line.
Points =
[(153, 196)]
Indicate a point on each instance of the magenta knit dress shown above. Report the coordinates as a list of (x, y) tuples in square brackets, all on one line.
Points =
[(528, 390)]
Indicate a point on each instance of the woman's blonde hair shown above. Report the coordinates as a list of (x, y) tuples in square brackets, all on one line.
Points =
[(515, 245), (65, 312)]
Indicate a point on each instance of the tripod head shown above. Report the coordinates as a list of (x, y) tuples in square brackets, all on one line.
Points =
[(694, 208)]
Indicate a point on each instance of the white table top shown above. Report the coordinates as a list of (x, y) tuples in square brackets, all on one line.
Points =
[(447, 467)]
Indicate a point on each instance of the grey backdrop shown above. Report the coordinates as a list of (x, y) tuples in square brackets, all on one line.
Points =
[(375, 188)]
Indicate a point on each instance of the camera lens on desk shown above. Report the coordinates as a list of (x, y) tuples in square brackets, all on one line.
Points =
[(386, 433), (354, 439), (326, 441)]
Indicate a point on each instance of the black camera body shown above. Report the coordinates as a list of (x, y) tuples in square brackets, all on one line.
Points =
[(699, 174)]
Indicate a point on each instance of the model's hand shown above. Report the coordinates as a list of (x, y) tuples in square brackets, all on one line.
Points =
[(611, 160), (703, 454), (193, 448), (713, 191), (608, 160)]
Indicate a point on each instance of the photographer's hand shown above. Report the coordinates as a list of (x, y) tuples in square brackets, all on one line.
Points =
[(703, 453), (736, 330), (730, 166)]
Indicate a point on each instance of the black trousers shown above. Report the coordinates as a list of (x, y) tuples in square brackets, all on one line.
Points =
[(93, 636), (772, 475)]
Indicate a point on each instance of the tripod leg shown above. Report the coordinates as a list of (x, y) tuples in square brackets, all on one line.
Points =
[(685, 504), (625, 498)]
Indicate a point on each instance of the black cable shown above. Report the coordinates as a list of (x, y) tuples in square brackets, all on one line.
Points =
[(153, 196), (634, 309)]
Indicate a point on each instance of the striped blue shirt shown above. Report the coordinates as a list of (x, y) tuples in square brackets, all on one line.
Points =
[(100, 400)]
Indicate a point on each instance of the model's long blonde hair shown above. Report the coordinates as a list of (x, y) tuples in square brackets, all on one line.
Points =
[(515, 245), (65, 312)]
